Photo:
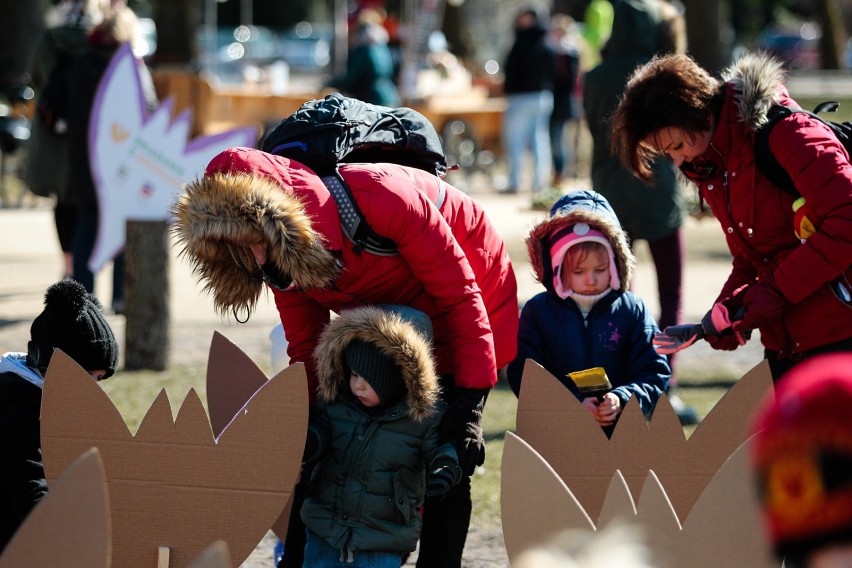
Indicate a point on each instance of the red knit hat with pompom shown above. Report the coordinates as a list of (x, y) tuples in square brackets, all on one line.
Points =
[(802, 456)]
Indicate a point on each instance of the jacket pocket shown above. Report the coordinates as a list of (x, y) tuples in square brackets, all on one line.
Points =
[(402, 497)]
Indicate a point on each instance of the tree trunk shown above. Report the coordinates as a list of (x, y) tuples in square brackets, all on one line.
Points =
[(703, 27), (833, 32), (146, 296), (177, 22), (20, 29)]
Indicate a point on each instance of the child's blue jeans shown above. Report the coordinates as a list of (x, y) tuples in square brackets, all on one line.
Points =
[(320, 554)]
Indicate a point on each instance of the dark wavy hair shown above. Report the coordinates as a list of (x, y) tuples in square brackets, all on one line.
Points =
[(668, 91)]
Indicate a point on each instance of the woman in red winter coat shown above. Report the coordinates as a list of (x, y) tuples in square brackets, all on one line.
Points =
[(791, 283), (255, 216)]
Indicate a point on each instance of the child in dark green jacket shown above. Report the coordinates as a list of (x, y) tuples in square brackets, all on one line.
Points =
[(377, 431)]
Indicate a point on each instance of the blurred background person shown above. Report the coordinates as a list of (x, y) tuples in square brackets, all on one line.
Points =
[(119, 28), (563, 39), (47, 150), (528, 87), (597, 27), (370, 67), (651, 212), (802, 463)]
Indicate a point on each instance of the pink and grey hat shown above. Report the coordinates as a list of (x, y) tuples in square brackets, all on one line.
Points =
[(566, 237), (579, 216)]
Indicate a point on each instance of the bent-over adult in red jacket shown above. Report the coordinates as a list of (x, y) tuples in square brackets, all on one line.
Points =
[(255, 216)]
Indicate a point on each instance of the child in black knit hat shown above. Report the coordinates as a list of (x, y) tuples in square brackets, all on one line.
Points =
[(376, 433), (73, 321)]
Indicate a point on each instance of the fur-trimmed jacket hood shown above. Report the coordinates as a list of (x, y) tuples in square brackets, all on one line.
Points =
[(757, 80), (582, 206), (401, 334), (220, 214)]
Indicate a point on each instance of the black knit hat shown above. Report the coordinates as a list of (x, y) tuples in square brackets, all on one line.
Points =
[(381, 371), (73, 320)]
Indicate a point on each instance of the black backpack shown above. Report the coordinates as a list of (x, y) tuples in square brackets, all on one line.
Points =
[(323, 133), (766, 162), (54, 102)]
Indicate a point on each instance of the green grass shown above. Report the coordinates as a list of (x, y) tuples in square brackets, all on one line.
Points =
[(132, 392)]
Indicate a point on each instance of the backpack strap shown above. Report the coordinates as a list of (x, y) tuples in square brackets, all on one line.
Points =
[(354, 225), (764, 159)]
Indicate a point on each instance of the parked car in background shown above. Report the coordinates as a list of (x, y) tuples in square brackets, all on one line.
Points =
[(234, 55), (798, 47), (306, 47)]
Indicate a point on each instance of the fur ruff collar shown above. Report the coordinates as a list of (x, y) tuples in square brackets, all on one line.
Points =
[(757, 80), (219, 215)]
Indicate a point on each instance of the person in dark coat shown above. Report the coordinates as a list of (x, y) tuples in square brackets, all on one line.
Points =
[(47, 157), (369, 68), (119, 28), (72, 321), (528, 87), (586, 317), (566, 81), (377, 383), (653, 212)]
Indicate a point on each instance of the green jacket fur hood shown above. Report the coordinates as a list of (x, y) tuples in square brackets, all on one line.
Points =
[(405, 343)]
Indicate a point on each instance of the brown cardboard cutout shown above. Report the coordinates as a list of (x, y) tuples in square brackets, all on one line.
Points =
[(724, 528), (535, 504), (232, 378), (553, 421), (618, 505), (173, 485), (70, 527)]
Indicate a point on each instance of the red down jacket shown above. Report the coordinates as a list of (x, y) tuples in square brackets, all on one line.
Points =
[(452, 263)]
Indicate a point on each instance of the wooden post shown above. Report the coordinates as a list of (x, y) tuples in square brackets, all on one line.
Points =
[(163, 556), (146, 296)]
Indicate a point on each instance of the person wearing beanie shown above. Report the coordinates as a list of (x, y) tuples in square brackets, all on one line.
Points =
[(378, 387), (72, 321), (586, 316), (801, 458)]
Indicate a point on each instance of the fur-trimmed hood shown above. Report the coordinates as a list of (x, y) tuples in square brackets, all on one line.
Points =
[(582, 206), (757, 80), (400, 335), (221, 214)]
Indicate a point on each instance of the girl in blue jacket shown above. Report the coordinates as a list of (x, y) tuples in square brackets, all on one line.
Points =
[(586, 317)]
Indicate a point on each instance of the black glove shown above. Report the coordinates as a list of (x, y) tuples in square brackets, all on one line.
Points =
[(440, 482), (465, 414)]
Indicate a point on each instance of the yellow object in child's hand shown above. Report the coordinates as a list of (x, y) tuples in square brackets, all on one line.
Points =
[(591, 382)]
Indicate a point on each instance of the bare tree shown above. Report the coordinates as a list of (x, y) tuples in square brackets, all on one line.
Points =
[(176, 21), (704, 37), (20, 28), (833, 32)]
